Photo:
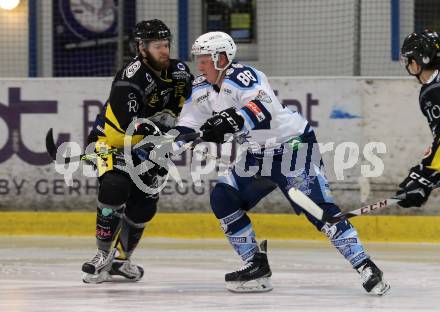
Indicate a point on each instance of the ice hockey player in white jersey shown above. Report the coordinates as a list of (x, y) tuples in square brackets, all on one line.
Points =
[(231, 98)]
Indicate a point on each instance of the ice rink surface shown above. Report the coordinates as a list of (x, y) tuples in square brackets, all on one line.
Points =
[(43, 274)]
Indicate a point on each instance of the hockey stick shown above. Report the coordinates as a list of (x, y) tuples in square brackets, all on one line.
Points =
[(308, 205), (52, 148)]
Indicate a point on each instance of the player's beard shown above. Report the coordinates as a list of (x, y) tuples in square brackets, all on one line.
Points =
[(155, 64)]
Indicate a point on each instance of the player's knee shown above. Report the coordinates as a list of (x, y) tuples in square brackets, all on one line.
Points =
[(224, 200), (227, 207), (114, 189), (142, 212), (329, 208)]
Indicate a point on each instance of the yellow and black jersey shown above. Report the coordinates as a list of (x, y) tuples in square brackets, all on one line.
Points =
[(429, 100), (138, 92)]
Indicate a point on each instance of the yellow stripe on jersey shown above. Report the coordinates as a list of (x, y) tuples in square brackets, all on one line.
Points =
[(114, 137), (181, 101), (435, 163), (111, 116)]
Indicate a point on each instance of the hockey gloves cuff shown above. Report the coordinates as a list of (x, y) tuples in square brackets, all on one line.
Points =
[(144, 153), (215, 128), (417, 186)]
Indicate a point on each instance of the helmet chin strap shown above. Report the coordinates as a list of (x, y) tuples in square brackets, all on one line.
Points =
[(417, 75), (220, 71), (219, 76)]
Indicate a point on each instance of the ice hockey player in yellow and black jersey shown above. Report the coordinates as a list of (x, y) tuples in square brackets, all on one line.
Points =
[(421, 55), (152, 86)]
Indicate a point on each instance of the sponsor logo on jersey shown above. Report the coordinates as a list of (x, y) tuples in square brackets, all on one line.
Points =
[(226, 90), (154, 99), (166, 99), (229, 71), (148, 77), (132, 69), (180, 75), (150, 87), (198, 80), (180, 66), (166, 91), (202, 98), (301, 181), (256, 111), (263, 97)]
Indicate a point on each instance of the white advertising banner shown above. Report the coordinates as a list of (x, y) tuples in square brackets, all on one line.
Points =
[(370, 130)]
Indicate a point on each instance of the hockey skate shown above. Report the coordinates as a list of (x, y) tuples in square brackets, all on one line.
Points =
[(254, 276), (126, 269), (371, 277), (97, 270)]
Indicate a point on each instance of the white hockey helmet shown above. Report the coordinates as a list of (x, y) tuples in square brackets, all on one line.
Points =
[(213, 43)]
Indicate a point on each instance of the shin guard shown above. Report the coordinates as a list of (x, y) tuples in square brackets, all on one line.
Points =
[(128, 238), (345, 238), (108, 223)]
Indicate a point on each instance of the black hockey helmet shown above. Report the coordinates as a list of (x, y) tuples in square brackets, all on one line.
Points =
[(422, 47), (151, 30)]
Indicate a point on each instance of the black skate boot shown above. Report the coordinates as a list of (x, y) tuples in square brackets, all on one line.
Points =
[(254, 276), (124, 267), (371, 277), (96, 270)]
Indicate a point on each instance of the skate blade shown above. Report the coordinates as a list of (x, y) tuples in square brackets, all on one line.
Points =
[(120, 277), (131, 277), (380, 289), (258, 285), (96, 278)]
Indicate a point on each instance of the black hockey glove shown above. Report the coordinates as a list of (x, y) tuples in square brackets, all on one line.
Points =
[(215, 128), (145, 153), (417, 186)]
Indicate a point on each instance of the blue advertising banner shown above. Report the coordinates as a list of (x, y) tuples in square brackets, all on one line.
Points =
[(85, 36)]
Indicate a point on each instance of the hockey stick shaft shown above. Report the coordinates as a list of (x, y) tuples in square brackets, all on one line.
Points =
[(311, 207), (364, 210), (52, 148)]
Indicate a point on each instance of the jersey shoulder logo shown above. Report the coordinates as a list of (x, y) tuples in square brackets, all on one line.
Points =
[(263, 97), (148, 77), (180, 66), (237, 65), (229, 71), (199, 80), (244, 77), (132, 69)]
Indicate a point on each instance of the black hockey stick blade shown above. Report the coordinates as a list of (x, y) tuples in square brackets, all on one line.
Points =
[(51, 149), (50, 145)]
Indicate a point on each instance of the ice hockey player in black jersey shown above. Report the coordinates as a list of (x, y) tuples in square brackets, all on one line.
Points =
[(421, 54), (152, 86)]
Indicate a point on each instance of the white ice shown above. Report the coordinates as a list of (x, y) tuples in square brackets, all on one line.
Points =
[(44, 274)]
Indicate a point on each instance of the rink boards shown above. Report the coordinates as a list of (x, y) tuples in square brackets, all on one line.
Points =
[(204, 225), (348, 114)]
